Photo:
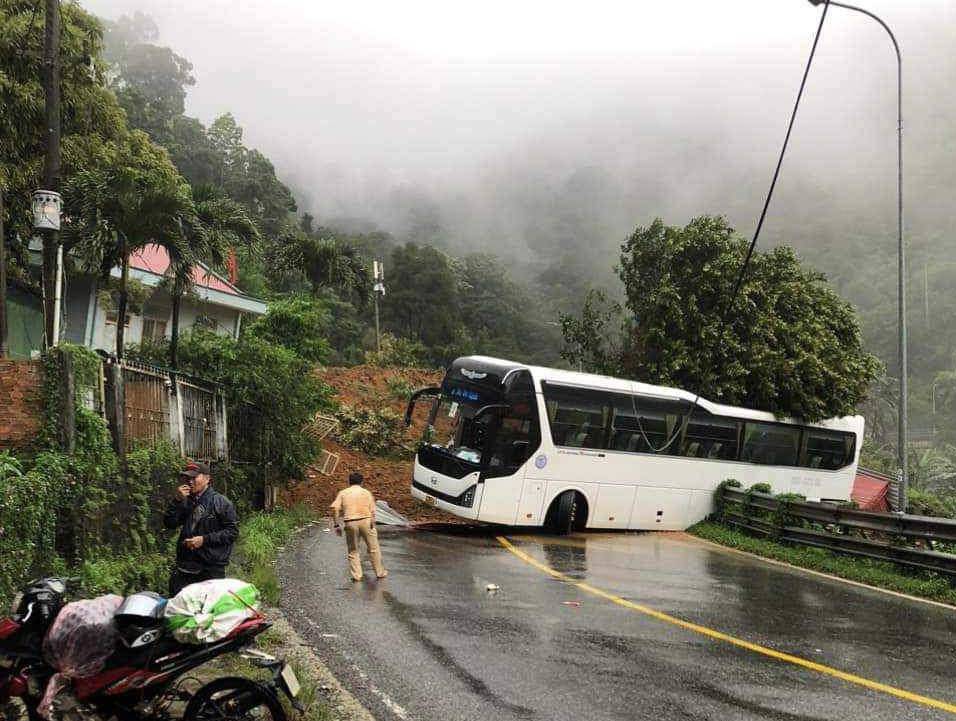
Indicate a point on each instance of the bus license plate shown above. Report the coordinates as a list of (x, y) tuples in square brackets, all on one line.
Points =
[(291, 681), (431, 500)]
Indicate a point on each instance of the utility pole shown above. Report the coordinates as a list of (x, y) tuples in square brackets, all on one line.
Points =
[(3, 284), (902, 471), (51, 165), (378, 276)]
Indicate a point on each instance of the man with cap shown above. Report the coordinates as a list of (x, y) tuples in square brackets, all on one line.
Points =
[(208, 528)]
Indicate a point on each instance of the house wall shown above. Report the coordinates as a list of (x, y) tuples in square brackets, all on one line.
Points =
[(224, 319), (81, 302), (21, 409), (76, 310)]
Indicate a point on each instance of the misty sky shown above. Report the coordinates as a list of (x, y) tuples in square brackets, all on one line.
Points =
[(490, 114)]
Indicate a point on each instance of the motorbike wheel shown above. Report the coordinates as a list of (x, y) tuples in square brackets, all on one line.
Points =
[(234, 699)]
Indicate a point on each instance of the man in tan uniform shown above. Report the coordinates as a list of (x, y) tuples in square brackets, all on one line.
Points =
[(356, 505)]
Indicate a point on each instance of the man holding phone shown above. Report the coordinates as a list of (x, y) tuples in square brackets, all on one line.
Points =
[(208, 528)]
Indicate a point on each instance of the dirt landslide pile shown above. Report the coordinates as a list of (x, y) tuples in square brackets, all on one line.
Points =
[(389, 478)]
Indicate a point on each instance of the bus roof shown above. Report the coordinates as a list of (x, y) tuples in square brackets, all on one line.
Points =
[(620, 385)]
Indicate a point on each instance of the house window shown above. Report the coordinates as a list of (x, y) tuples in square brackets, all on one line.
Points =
[(111, 317), (204, 321), (154, 330)]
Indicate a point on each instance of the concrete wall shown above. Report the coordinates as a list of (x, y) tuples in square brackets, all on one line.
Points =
[(21, 409)]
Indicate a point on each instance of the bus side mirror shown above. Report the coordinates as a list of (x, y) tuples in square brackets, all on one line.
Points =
[(413, 399)]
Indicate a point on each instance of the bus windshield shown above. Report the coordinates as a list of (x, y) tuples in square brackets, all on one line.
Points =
[(456, 431)]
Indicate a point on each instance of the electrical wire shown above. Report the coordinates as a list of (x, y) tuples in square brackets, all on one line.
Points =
[(738, 283)]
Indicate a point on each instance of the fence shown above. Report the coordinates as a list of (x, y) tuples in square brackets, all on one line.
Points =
[(148, 403), (200, 421), (910, 541)]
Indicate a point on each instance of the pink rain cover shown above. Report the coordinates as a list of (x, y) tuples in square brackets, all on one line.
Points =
[(79, 642)]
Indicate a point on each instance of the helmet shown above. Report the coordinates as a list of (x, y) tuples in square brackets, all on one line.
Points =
[(41, 601), (140, 619)]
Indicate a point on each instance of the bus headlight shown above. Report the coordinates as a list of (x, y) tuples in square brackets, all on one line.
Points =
[(467, 499)]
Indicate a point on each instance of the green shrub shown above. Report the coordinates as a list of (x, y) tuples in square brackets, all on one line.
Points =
[(376, 432), (719, 506), (399, 388), (107, 572), (273, 379), (923, 503), (760, 488), (300, 324), (397, 353)]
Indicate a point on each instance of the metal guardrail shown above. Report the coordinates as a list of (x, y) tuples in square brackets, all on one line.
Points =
[(898, 538)]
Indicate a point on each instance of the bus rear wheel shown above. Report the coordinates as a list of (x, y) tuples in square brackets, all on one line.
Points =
[(568, 512)]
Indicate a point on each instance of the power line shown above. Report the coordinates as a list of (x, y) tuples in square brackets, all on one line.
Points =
[(725, 314)]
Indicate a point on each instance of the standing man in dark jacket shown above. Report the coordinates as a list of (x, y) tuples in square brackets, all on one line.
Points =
[(208, 528)]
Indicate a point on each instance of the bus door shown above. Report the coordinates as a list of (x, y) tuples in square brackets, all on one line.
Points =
[(515, 437)]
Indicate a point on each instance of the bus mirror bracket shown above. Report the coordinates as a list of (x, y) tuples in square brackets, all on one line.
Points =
[(484, 410), (413, 399)]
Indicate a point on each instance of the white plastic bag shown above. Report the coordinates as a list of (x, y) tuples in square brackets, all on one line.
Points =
[(209, 611), (78, 644)]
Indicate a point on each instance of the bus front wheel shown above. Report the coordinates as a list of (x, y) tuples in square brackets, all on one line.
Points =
[(568, 512)]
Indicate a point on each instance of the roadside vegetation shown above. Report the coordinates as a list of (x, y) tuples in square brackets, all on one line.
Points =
[(873, 573), (720, 528)]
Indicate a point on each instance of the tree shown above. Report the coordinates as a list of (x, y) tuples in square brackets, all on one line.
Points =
[(138, 200), (301, 324), (217, 227), (790, 345), (149, 80), (92, 120), (594, 339), (422, 299), (501, 316)]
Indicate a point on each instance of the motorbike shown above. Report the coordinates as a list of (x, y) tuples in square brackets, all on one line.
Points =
[(145, 678)]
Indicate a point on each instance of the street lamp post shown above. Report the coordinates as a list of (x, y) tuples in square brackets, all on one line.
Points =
[(903, 430)]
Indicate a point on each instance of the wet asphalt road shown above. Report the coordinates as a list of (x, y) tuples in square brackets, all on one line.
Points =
[(431, 643)]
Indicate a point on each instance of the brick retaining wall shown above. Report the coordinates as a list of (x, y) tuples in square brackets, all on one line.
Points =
[(21, 410)]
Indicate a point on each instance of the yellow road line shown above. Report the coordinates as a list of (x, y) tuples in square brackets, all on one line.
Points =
[(733, 640)]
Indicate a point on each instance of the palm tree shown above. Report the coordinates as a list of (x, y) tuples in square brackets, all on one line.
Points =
[(331, 263), (218, 225), (139, 199)]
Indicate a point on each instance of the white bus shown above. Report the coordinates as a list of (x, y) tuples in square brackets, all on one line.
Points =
[(520, 445)]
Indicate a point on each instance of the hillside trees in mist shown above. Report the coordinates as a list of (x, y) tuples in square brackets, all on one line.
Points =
[(450, 305), (790, 345)]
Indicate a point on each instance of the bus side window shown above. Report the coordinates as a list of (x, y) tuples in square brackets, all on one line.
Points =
[(710, 436), (828, 450), (578, 419), (771, 444)]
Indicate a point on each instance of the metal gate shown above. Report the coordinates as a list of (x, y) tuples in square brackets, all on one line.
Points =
[(146, 404), (198, 406)]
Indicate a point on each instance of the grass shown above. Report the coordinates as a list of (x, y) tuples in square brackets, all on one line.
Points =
[(272, 642), (261, 536), (863, 570)]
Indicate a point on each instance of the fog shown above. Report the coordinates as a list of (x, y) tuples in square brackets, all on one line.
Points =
[(538, 127)]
